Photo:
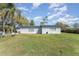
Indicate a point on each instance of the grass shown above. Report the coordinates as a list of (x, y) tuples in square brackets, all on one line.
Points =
[(40, 45)]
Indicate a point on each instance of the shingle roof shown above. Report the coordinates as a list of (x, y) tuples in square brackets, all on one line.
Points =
[(38, 26)]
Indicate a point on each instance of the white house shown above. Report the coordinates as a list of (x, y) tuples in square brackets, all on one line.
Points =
[(47, 29)]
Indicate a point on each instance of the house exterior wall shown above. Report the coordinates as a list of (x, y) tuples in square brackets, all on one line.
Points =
[(51, 30), (35, 30), (27, 30)]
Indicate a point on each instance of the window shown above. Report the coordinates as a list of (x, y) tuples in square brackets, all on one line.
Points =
[(31, 30)]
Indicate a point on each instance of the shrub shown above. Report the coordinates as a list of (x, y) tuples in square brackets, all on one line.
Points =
[(77, 30), (69, 30)]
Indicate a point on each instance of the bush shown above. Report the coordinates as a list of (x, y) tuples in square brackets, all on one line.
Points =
[(77, 30), (69, 30)]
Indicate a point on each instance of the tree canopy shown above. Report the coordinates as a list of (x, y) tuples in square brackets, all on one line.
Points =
[(8, 17), (32, 23)]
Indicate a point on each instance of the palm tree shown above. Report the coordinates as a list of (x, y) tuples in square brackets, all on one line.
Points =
[(8, 15), (45, 19), (11, 13), (7, 12), (2, 14), (20, 19)]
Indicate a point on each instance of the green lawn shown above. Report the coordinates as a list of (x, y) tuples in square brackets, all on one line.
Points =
[(40, 45)]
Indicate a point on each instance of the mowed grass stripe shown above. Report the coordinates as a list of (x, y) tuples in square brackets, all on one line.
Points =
[(38, 45)]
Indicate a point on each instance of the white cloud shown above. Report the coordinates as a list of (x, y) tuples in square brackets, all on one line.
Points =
[(48, 13), (54, 5), (23, 8), (35, 5), (28, 18), (51, 16), (61, 9), (37, 18), (68, 19), (64, 20), (58, 12)]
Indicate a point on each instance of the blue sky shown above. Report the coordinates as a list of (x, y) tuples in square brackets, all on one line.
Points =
[(56, 12)]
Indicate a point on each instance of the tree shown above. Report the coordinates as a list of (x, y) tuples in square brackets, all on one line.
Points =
[(10, 5), (41, 23), (3, 14), (19, 19), (7, 14), (4, 19), (22, 21), (45, 19), (3, 6), (32, 23), (8, 17), (76, 25), (62, 25)]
